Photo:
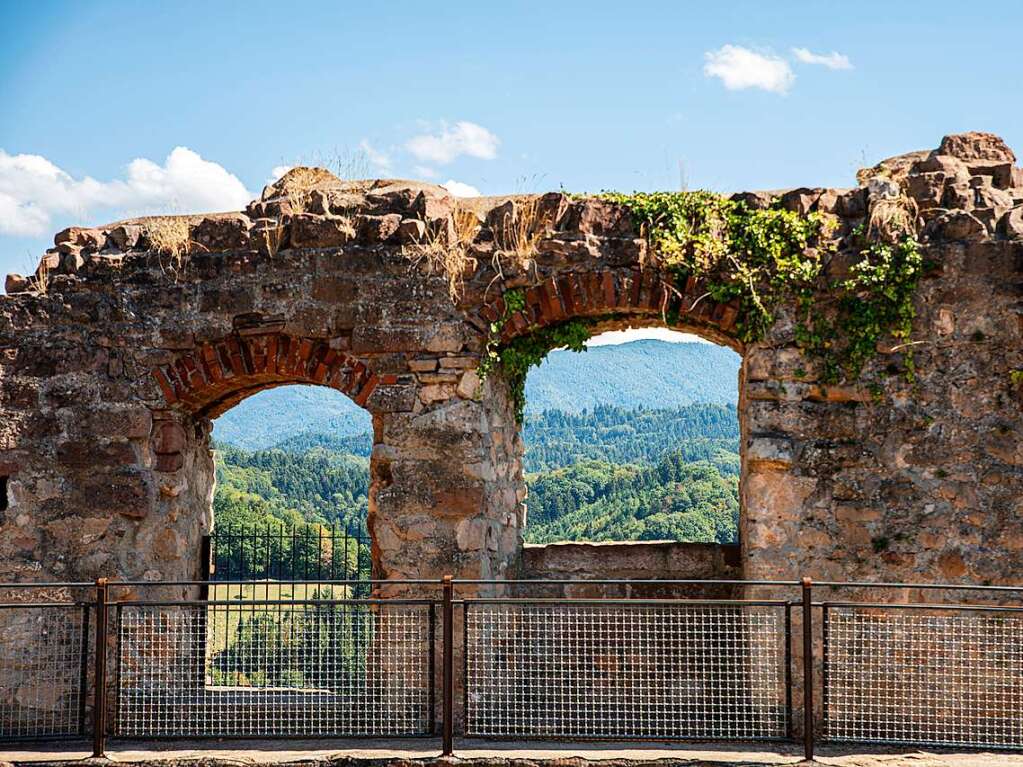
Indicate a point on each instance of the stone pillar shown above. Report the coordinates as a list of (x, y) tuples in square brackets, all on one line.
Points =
[(445, 492)]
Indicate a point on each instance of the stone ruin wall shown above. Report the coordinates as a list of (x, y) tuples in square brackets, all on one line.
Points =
[(109, 376)]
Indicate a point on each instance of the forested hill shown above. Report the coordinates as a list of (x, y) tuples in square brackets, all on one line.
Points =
[(678, 499), (610, 474), (622, 435), (648, 373), (636, 441), (257, 488)]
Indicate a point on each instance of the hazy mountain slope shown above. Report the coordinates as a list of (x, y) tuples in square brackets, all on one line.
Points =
[(274, 415), (654, 374), (555, 439), (649, 373)]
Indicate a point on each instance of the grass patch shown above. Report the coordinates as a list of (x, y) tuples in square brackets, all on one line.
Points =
[(444, 248), (224, 620)]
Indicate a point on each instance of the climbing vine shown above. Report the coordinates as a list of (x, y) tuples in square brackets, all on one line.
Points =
[(875, 300), (525, 352), (771, 257), (766, 258)]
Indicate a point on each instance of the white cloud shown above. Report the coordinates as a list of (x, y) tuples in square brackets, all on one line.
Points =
[(381, 161), (613, 337), (424, 171), (453, 141), (740, 68), (278, 172), (34, 191), (458, 189), (833, 60)]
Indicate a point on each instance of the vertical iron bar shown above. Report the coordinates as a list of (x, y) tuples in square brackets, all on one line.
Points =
[(206, 566), (269, 567), (280, 554), (99, 709), (347, 566), (431, 652), (83, 674), (808, 670), (333, 553), (824, 670), (294, 552), (319, 553), (788, 670), (242, 571), (449, 666), (307, 535), (465, 669), (267, 574), (118, 633)]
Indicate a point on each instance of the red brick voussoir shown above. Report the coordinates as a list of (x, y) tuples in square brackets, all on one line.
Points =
[(212, 377), (614, 292)]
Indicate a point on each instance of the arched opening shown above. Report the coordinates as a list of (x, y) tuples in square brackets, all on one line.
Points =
[(636, 439), (288, 527), (292, 488)]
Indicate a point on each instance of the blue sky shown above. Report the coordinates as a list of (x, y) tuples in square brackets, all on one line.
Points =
[(112, 108)]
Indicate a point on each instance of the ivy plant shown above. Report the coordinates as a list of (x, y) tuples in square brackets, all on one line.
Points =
[(764, 258), (527, 351), (771, 257)]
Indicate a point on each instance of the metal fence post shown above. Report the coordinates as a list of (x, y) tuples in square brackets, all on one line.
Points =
[(808, 669), (99, 709), (205, 566), (448, 674)]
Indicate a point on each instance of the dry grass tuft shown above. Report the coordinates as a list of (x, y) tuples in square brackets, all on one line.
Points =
[(39, 282), (293, 190), (520, 231), (170, 235), (445, 247), (891, 213), (272, 236), (892, 217)]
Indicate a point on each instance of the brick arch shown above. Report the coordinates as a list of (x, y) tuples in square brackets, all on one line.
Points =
[(214, 377), (621, 292)]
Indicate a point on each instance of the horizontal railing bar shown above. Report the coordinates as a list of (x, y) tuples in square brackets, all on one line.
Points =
[(276, 736), (922, 606), (652, 739), (55, 585), (625, 581), (40, 605), (271, 581), (264, 602), (882, 585), (970, 747), (618, 601), (529, 581)]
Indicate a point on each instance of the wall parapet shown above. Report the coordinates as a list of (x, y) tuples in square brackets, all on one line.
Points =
[(613, 560)]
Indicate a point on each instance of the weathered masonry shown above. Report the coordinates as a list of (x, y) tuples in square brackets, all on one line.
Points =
[(131, 337)]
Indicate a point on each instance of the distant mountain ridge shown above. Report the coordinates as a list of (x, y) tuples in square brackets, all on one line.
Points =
[(648, 373)]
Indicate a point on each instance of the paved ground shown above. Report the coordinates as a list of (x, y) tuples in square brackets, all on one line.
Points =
[(425, 752)]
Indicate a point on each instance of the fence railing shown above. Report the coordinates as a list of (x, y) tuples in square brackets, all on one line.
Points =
[(307, 553), (913, 664), (44, 669)]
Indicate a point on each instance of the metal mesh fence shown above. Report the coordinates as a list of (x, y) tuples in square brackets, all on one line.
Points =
[(910, 676), (309, 553), (43, 656), (625, 671), (283, 669)]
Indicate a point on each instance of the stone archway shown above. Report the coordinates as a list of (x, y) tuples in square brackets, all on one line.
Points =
[(202, 383), (613, 299), (112, 359), (215, 376), (619, 293)]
